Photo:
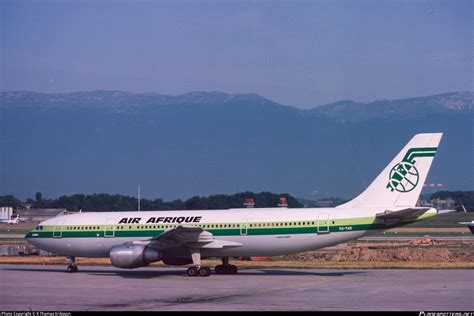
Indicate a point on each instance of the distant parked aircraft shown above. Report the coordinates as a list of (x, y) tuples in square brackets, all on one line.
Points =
[(470, 225), (13, 221)]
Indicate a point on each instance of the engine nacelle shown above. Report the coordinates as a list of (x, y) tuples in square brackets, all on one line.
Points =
[(130, 255)]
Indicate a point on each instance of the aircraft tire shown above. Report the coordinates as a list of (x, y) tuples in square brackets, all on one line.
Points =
[(192, 271), (219, 269), (232, 269), (204, 272)]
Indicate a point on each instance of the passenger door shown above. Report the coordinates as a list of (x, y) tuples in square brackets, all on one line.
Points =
[(323, 223), (243, 226), (110, 228), (58, 229)]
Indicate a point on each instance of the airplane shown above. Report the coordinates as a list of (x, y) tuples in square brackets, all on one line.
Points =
[(470, 225), (136, 239), (13, 221)]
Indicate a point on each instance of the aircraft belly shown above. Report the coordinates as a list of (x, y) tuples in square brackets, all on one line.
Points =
[(269, 245), (276, 245), (81, 247)]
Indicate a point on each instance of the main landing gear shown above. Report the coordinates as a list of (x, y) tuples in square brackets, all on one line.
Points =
[(225, 267), (197, 269), (72, 268)]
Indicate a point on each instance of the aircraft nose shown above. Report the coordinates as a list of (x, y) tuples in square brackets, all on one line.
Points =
[(33, 238)]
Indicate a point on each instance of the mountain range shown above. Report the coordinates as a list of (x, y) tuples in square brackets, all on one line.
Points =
[(202, 143)]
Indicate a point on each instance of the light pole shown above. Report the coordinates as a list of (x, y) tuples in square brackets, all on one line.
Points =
[(139, 197)]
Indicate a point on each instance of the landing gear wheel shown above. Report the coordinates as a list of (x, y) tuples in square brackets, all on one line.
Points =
[(193, 271), (232, 269), (72, 268), (204, 272), (225, 269), (219, 269)]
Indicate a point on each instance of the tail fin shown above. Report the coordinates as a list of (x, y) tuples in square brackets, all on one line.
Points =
[(400, 183)]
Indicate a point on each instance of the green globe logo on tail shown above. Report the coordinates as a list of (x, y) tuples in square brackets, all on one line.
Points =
[(404, 176)]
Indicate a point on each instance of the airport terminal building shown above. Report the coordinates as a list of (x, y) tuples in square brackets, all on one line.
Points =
[(36, 215)]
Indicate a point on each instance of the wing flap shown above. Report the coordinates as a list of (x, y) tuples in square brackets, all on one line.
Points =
[(217, 244)]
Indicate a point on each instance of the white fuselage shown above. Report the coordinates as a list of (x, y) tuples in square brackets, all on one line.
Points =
[(262, 232)]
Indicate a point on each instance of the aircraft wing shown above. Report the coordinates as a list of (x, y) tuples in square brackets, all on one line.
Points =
[(189, 236)]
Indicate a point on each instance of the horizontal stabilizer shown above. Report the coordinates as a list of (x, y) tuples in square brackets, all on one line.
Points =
[(398, 215), (440, 212)]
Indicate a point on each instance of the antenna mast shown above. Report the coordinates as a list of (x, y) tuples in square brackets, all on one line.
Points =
[(139, 197)]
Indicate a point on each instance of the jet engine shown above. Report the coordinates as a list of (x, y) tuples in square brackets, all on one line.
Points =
[(131, 255)]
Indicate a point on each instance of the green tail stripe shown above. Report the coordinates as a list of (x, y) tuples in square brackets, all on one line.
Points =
[(423, 154), (419, 152)]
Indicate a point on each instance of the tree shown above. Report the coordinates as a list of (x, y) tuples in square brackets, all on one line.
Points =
[(466, 197), (9, 201)]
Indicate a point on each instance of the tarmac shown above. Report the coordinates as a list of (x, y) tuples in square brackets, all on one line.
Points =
[(97, 288)]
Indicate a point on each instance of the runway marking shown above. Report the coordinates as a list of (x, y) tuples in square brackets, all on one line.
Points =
[(321, 280), (219, 298)]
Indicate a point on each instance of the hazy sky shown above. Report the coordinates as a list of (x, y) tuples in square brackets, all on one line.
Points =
[(302, 53)]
